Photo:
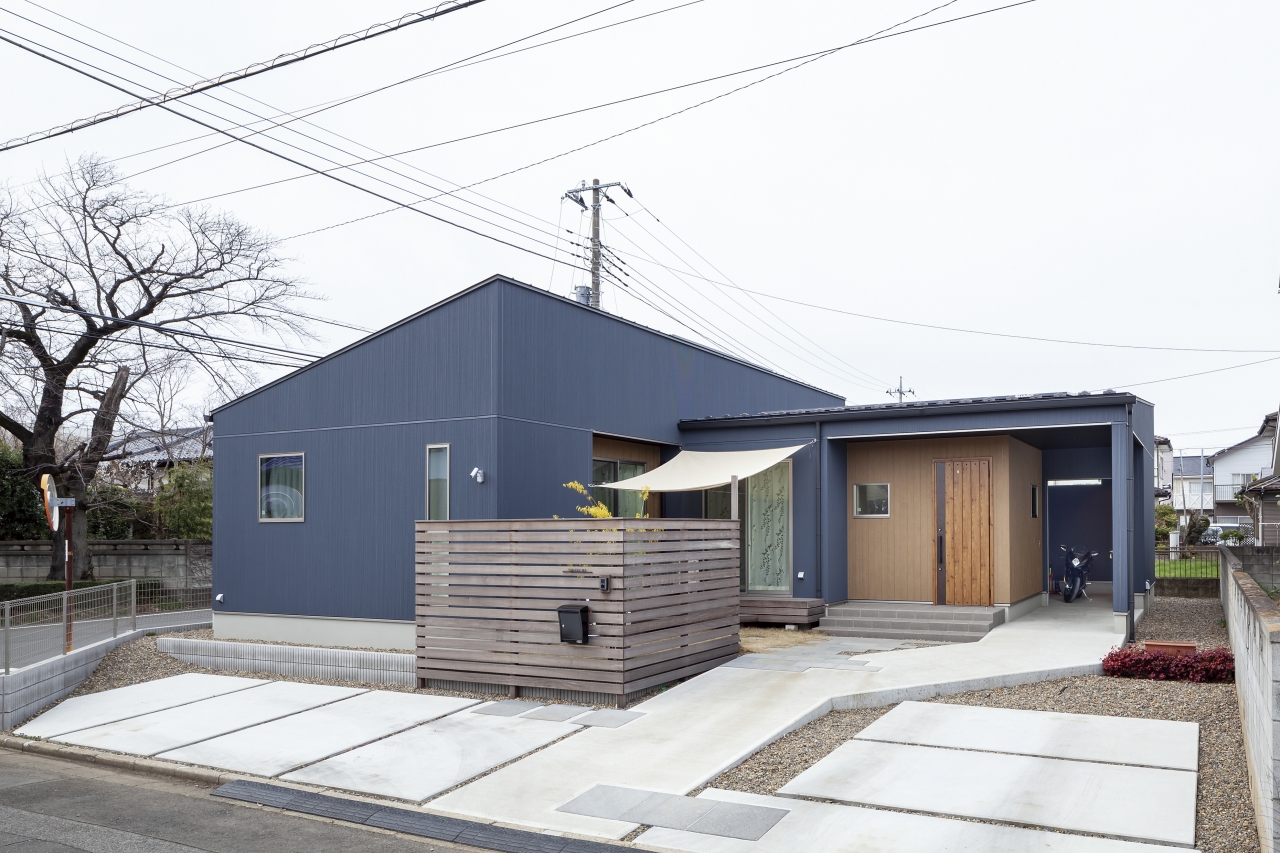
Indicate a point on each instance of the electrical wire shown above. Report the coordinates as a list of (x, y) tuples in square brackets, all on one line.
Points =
[(156, 345), (1191, 375), (236, 76)]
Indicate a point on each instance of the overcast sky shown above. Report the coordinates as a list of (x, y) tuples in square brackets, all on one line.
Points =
[(1092, 171)]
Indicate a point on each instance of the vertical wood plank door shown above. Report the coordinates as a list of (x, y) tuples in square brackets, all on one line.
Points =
[(969, 549)]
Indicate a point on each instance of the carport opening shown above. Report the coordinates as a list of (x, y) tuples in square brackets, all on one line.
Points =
[(1078, 515)]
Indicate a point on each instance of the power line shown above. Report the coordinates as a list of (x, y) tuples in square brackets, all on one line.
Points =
[(244, 73), (997, 334), (156, 345), (157, 327), (1190, 375)]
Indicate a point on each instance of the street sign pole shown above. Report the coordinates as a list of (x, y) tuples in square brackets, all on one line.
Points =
[(53, 506)]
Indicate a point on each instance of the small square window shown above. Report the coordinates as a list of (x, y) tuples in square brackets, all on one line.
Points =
[(871, 500), (281, 487), (1035, 501)]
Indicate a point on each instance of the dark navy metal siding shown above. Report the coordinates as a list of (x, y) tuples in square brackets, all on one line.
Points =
[(365, 487), (566, 364), (515, 380)]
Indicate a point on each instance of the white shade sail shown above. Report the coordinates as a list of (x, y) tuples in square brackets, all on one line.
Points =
[(694, 470)]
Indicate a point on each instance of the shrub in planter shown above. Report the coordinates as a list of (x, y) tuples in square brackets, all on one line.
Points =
[(1205, 666)]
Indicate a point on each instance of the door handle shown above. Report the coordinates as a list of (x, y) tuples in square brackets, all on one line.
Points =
[(942, 551)]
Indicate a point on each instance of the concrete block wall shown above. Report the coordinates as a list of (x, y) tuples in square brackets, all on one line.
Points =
[(179, 561), (1260, 562), (28, 691), (300, 661), (1253, 624)]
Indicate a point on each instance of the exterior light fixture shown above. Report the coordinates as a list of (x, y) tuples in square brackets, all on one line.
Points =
[(477, 475)]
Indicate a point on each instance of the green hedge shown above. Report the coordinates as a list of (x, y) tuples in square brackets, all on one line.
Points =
[(14, 591)]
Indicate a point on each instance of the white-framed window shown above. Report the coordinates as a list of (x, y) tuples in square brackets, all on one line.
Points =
[(871, 500), (437, 482), (281, 486)]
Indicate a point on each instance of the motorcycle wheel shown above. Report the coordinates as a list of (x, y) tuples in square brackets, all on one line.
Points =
[(1071, 590)]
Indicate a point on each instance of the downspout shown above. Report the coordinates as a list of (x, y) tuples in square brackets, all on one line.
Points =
[(820, 509)]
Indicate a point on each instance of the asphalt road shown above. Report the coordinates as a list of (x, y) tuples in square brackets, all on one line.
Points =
[(48, 805)]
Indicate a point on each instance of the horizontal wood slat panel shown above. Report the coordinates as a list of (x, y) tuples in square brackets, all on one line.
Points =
[(487, 594)]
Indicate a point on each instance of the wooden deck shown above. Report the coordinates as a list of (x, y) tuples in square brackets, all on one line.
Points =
[(773, 610), (488, 593)]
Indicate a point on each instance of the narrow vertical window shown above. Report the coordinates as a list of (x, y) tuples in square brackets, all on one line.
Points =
[(1035, 501), (438, 482), (281, 487)]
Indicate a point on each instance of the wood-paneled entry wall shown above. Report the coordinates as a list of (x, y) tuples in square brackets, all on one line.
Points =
[(962, 501), (895, 558)]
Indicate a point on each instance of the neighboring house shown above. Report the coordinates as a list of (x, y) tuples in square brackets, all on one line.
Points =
[(1163, 469), (483, 405), (1192, 486), (1263, 501), (1239, 465), (147, 456)]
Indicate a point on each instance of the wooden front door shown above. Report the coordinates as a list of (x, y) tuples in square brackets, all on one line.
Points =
[(965, 560)]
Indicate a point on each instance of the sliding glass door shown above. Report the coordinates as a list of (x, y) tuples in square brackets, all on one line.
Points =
[(764, 502)]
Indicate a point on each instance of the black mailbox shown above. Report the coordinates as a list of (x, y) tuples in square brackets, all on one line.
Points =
[(573, 623)]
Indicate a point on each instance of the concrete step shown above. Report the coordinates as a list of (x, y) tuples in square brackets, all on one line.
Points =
[(892, 634), (910, 621)]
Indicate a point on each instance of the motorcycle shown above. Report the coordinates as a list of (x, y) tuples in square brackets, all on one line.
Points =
[(1075, 577)]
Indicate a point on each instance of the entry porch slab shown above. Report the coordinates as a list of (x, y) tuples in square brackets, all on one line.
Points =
[(1135, 803)]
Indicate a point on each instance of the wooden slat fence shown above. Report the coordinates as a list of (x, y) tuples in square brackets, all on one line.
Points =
[(488, 593)]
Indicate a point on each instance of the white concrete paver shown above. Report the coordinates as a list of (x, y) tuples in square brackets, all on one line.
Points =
[(426, 760), (1136, 803), (1082, 737), (847, 829), (98, 709), (162, 731), (285, 744), (695, 731)]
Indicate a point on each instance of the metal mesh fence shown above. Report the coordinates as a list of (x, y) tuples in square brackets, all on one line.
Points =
[(1187, 562), (45, 626)]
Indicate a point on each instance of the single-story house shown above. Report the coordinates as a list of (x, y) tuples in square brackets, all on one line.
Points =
[(484, 405)]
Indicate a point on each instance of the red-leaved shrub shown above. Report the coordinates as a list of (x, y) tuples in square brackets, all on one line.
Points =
[(1209, 665)]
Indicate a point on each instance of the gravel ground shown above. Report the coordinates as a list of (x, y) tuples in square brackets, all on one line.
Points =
[(207, 634), (1187, 620), (1224, 812)]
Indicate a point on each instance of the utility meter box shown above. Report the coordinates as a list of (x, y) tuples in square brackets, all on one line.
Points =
[(573, 623)]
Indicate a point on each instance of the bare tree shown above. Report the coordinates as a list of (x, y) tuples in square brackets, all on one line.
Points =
[(102, 290)]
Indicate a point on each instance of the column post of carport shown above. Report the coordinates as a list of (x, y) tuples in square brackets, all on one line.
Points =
[(1121, 527)]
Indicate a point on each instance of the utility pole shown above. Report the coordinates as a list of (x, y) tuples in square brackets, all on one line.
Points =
[(592, 297), (900, 392)]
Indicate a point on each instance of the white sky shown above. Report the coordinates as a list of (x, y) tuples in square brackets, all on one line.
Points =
[(1102, 171)]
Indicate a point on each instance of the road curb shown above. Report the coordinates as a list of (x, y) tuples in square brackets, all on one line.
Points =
[(117, 761)]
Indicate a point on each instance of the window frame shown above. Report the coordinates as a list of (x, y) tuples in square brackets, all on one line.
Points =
[(302, 491), (618, 474), (888, 497), (448, 481)]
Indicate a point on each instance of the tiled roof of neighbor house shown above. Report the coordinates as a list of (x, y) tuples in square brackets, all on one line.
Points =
[(1268, 421), (1189, 466), (184, 444), (1010, 402), (1266, 484)]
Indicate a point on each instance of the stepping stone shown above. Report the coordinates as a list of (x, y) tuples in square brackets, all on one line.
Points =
[(609, 718), (109, 706), (847, 829), (508, 708), (1083, 737), (705, 816), (162, 731), (555, 713), (285, 744), (1135, 803), (423, 761)]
